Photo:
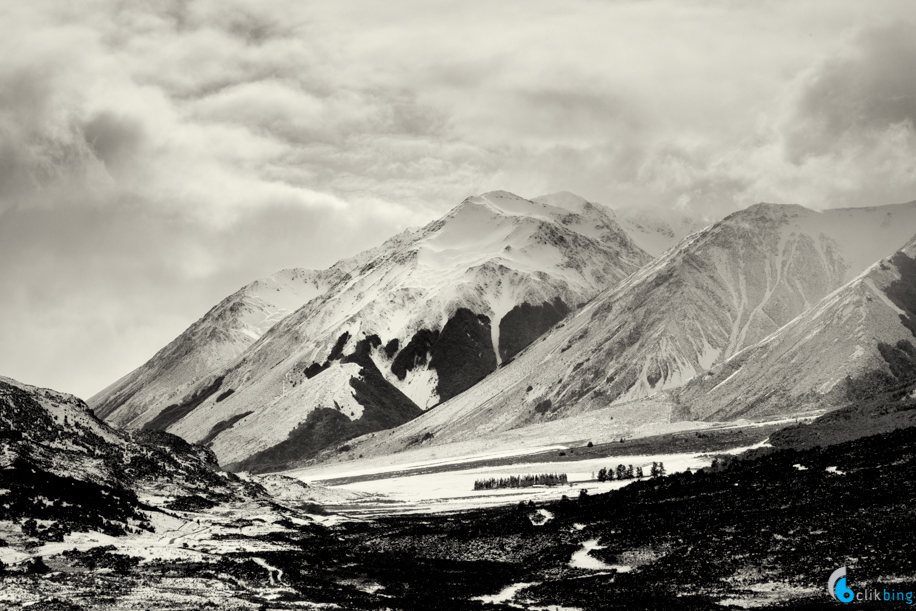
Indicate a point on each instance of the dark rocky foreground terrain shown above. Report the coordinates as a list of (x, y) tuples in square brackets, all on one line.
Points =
[(764, 529), (62, 466)]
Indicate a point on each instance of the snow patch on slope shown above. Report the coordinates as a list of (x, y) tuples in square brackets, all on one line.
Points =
[(419, 384), (274, 418)]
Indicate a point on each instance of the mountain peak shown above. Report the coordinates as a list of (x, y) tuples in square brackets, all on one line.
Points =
[(910, 248), (499, 194), (564, 199), (700, 303), (550, 207), (774, 210)]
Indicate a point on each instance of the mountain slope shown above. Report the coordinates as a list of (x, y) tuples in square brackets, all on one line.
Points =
[(60, 463), (424, 317), (216, 339), (855, 344), (719, 291), (654, 230)]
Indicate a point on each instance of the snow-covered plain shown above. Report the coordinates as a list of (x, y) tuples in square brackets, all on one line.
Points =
[(454, 490)]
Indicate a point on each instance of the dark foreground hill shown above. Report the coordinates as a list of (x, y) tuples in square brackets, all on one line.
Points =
[(63, 466)]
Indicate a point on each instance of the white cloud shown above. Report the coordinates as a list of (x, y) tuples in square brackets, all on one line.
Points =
[(247, 136)]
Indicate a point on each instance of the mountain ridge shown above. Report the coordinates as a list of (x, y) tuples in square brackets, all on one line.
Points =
[(222, 333), (603, 355), (510, 313)]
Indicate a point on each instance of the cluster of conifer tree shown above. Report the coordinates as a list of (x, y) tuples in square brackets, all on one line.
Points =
[(628, 472), (521, 481)]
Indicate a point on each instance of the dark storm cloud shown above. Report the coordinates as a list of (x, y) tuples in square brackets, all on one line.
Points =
[(859, 95), (34, 149), (114, 139)]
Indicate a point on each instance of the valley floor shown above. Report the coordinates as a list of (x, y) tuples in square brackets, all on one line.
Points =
[(447, 484), (766, 530), (454, 490)]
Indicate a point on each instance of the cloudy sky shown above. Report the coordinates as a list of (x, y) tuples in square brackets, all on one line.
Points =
[(156, 156)]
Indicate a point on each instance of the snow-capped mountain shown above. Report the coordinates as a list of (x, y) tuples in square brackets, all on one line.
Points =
[(857, 343), (413, 323), (213, 341), (718, 292)]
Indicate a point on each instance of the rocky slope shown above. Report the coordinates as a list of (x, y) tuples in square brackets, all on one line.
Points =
[(62, 466), (718, 292), (746, 533), (210, 343), (412, 323), (91, 517)]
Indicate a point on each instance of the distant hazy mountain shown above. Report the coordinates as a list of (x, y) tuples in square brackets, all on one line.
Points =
[(655, 230), (410, 324), (717, 293)]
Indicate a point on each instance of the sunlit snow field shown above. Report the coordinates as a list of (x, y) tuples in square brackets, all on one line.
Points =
[(454, 490)]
